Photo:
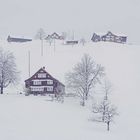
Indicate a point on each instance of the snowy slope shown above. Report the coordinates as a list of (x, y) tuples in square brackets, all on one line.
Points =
[(34, 118)]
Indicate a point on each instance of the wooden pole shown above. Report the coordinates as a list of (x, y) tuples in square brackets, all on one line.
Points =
[(41, 47), (72, 37), (29, 62), (54, 45)]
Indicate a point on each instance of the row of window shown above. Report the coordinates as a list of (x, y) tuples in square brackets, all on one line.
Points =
[(38, 82), (49, 88), (42, 89)]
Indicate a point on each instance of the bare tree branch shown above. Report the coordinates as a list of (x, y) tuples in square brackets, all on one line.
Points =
[(84, 76), (8, 71)]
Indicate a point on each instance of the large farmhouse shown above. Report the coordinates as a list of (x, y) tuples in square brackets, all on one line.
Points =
[(43, 83), (109, 37), (20, 40)]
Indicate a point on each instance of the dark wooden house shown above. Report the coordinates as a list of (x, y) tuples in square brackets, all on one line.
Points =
[(43, 83), (20, 40), (109, 37)]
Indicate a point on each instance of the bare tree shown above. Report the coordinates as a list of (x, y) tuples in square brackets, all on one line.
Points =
[(100, 108), (82, 41), (50, 41), (106, 111), (40, 34), (8, 71), (84, 77), (106, 88), (64, 35), (110, 113)]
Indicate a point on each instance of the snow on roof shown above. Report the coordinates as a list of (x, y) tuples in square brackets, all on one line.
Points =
[(114, 33)]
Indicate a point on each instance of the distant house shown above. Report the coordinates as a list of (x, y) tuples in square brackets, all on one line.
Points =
[(20, 40), (71, 42), (96, 38), (109, 37), (54, 36), (43, 83)]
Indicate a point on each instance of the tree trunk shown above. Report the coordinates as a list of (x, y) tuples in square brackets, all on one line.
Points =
[(86, 98), (86, 93), (2, 82), (108, 126), (1, 90), (41, 47), (103, 116), (83, 102)]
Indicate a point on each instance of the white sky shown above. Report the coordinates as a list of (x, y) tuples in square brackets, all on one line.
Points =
[(25, 17)]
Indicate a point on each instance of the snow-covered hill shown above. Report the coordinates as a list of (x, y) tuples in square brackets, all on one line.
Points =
[(34, 118)]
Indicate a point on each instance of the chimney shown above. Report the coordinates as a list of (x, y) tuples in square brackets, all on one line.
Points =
[(43, 68)]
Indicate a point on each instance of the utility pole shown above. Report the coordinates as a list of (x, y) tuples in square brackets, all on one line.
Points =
[(72, 37), (41, 47), (29, 62), (54, 44)]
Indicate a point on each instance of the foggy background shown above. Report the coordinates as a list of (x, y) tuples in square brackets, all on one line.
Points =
[(22, 18)]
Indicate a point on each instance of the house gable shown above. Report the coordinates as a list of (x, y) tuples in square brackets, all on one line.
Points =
[(36, 75), (95, 37)]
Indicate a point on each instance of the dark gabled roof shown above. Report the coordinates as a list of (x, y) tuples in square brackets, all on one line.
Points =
[(54, 36), (109, 32), (48, 37), (43, 69), (117, 35), (94, 35)]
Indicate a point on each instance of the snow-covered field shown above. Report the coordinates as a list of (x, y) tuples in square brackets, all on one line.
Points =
[(34, 118)]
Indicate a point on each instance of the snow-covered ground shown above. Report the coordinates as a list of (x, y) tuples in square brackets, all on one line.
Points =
[(29, 117)]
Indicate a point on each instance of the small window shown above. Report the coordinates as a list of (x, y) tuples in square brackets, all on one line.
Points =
[(49, 82), (42, 75), (49, 88), (37, 89), (36, 82)]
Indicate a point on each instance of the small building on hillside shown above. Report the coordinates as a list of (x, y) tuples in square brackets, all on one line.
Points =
[(109, 37), (20, 40), (96, 38), (43, 83), (71, 42), (54, 36)]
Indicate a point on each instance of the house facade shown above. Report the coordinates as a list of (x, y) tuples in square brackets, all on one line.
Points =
[(20, 40), (43, 83), (109, 37)]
